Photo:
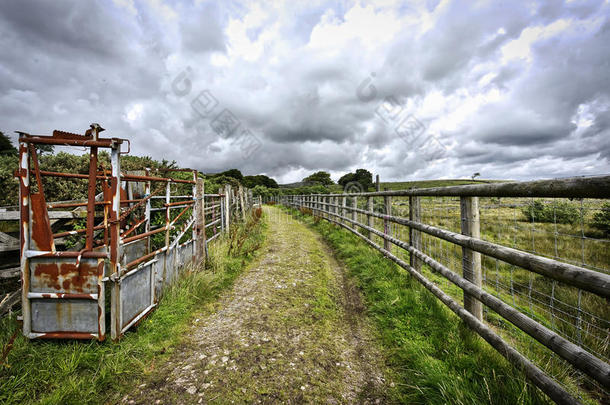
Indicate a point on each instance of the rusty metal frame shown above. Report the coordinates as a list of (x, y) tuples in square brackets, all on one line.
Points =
[(117, 252), (103, 257), (54, 279)]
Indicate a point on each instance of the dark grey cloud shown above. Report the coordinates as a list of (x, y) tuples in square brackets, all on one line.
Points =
[(504, 86)]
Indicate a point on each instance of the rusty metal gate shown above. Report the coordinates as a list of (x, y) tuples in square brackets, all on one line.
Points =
[(136, 232)]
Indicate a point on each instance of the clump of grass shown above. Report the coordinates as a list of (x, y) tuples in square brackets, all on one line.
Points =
[(559, 212), (71, 372), (436, 358), (601, 219)]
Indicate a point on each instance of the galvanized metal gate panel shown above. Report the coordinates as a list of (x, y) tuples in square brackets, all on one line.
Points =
[(136, 295), (65, 297)]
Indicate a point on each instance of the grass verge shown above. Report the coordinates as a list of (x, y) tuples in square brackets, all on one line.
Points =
[(73, 372), (435, 357)]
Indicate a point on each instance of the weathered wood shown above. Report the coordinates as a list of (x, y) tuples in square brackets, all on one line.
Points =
[(12, 272), (369, 218), (471, 260), (227, 204), (242, 203), (14, 215), (415, 235), (354, 207), (574, 187), (8, 239), (387, 205), (9, 301)]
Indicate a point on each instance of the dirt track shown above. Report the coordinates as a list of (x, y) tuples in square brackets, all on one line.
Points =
[(291, 330)]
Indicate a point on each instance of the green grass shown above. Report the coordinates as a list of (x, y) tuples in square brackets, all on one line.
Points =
[(436, 357), (404, 185), (72, 372)]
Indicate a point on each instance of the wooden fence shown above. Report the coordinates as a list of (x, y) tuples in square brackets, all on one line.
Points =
[(380, 220)]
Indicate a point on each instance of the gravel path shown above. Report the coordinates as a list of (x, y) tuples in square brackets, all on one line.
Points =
[(291, 330)]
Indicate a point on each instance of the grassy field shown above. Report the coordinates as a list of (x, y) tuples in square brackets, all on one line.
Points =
[(581, 317), (74, 372), (404, 185)]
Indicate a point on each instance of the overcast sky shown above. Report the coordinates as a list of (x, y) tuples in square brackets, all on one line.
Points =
[(409, 90)]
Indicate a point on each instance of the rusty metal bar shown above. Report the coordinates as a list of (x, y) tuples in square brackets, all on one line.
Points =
[(127, 177), (143, 235), (147, 217), (115, 230), (133, 201), (24, 199), (71, 175), (91, 197), (71, 296), (78, 231), (74, 205), (144, 258), (49, 140), (132, 177), (175, 203), (84, 255), (133, 228), (65, 335)]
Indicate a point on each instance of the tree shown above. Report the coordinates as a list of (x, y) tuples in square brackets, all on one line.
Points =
[(42, 149), (477, 174), (235, 173), (321, 177), (365, 178), (6, 146), (346, 178), (361, 176), (259, 180)]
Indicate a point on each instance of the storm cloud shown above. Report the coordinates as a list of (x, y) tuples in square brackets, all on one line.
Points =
[(409, 90)]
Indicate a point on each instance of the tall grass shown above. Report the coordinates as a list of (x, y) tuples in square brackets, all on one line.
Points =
[(74, 372)]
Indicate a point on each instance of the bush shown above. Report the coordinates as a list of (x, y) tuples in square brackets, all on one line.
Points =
[(555, 212), (8, 183), (601, 219)]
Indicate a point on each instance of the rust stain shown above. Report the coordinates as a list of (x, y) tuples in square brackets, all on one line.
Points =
[(67, 277), (41, 227)]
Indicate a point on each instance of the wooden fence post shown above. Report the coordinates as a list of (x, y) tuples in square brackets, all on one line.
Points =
[(335, 209), (369, 219), (343, 205), (242, 203), (387, 202), (414, 234), (471, 260), (354, 206), (227, 207)]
